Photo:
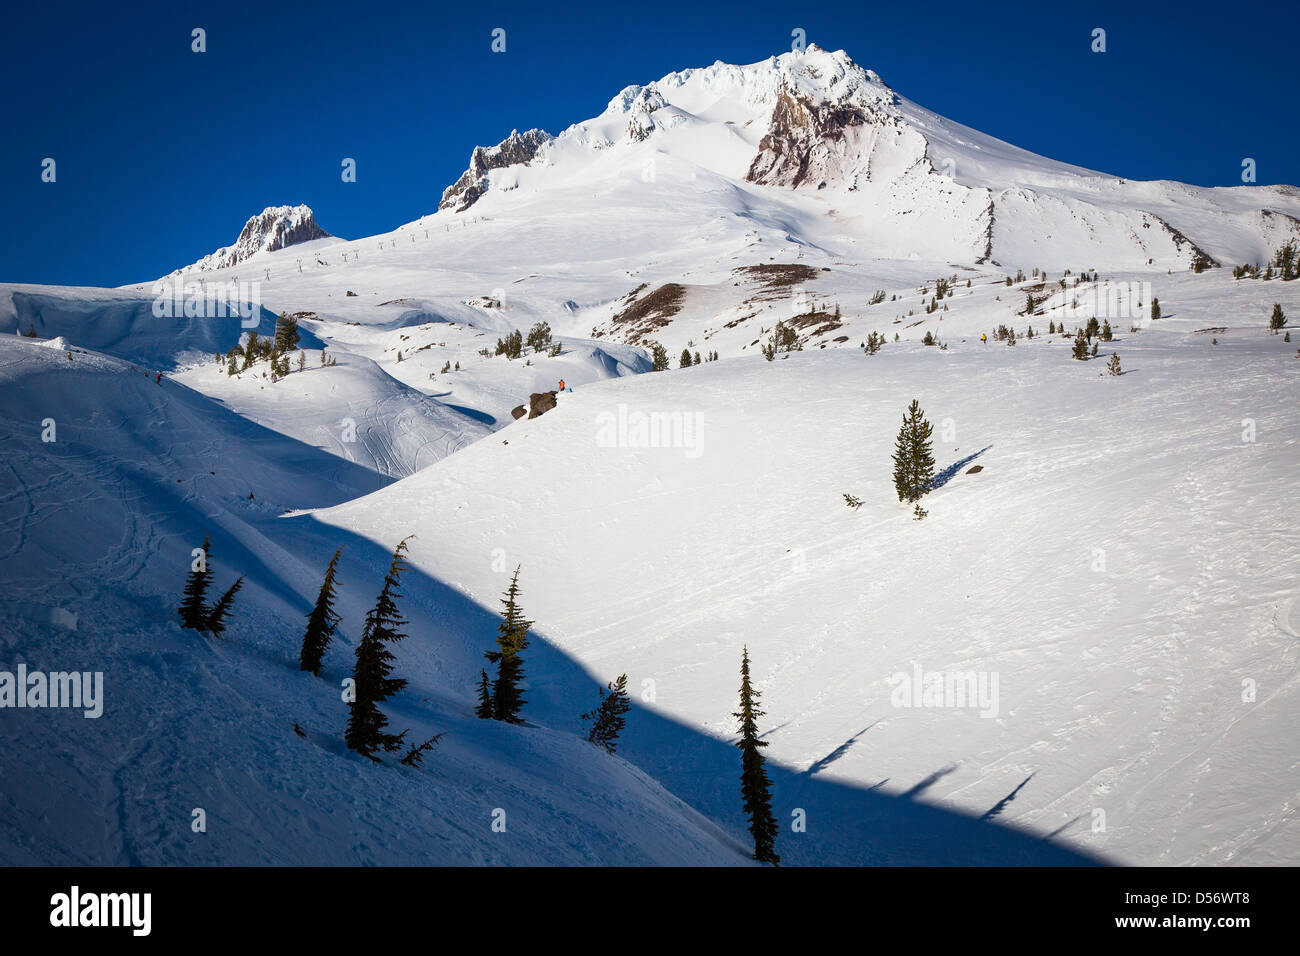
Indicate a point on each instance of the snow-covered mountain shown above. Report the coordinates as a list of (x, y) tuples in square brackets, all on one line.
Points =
[(274, 228), (899, 180), (1122, 564)]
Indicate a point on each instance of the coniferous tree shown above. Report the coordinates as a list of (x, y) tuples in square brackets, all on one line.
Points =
[(484, 709), (321, 622), (1080, 350), (659, 358), (913, 455), (194, 608), (416, 753), (216, 622), (607, 719), (539, 336), (1277, 321), (512, 640), (1155, 309), (755, 787), (251, 349), (286, 334), (685, 360), (372, 678)]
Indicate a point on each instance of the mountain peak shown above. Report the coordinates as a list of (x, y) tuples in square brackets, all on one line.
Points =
[(275, 227)]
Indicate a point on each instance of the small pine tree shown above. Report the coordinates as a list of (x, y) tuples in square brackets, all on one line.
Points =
[(607, 719), (286, 333), (251, 349), (755, 788), (1112, 366), (1155, 309), (1277, 321), (372, 680), (194, 608), (685, 360), (1080, 350), (216, 622), (512, 641), (1106, 333), (659, 358), (484, 709), (913, 455), (321, 621), (417, 751)]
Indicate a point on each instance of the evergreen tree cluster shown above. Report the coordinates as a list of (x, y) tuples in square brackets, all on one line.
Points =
[(512, 346), (783, 341)]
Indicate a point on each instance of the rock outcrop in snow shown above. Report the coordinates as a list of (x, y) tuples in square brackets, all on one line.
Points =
[(275, 227), (515, 149)]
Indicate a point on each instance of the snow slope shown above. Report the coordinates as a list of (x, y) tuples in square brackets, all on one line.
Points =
[(1124, 565), (1121, 687), (98, 528)]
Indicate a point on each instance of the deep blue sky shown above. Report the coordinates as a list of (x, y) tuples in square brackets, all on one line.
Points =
[(163, 154)]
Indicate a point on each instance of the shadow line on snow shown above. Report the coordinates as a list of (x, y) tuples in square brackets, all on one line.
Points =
[(845, 824), (949, 473)]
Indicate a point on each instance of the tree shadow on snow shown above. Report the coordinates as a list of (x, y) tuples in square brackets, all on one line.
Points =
[(947, 475), (846, 824)]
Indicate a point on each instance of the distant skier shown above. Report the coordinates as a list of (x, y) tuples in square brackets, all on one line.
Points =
[(563, 387), (158, 380), (984, 338)]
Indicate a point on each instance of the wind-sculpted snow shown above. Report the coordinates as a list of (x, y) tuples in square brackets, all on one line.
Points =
[(128, 324)]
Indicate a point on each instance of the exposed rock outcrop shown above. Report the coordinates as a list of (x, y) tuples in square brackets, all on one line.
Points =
[(539, 403), (515, 149), (275, 227)]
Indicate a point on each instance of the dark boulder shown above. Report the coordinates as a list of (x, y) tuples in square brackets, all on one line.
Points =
[(539, 403)]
